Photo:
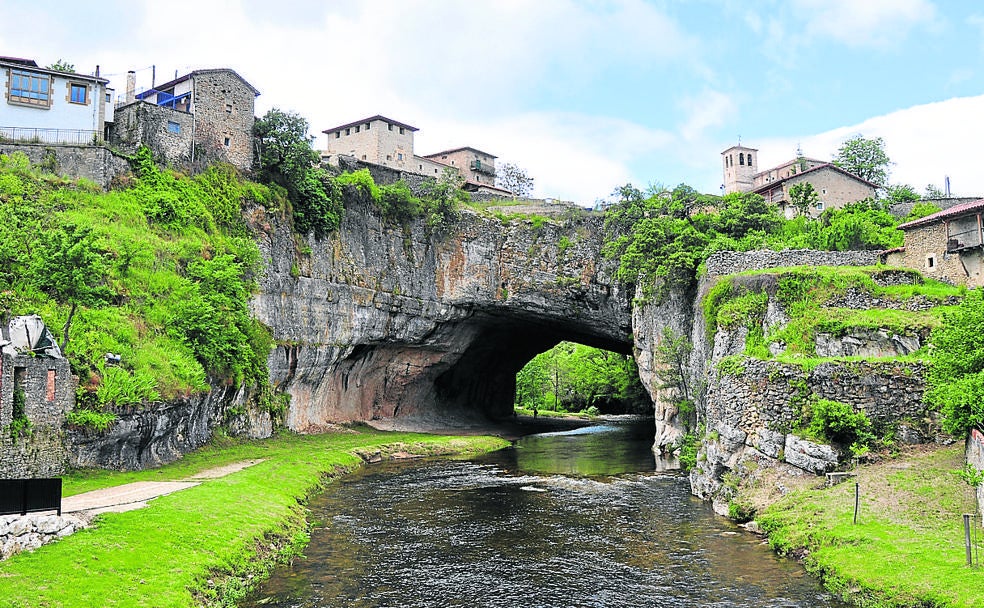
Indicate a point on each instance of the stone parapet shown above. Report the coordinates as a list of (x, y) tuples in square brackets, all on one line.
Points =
[(730, 262)]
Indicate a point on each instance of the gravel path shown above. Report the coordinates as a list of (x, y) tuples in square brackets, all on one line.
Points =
[(130, 496)]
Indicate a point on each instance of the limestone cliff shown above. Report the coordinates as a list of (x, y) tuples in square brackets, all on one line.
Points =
[(380, 320)]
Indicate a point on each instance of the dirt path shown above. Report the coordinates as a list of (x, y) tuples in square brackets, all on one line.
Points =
[(130, 496)]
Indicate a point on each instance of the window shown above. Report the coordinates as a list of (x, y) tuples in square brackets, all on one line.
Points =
[(348, 131), (367, 126), (78, 93), (225, 142), (401, 130), (338, 134), (356, 128), (819, 206), (173, 127), (420, 167), (399, 156), (823, 191), (30, 88), (389, 157), (228, 108), (389, 126), (109, 97)]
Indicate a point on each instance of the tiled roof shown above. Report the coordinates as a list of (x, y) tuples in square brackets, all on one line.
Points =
[(371, 119), (459, 150), (832, 166), (939, 216)]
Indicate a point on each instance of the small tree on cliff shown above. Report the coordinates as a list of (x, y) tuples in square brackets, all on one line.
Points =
[(672, 355), (514, 179), (287, 159)]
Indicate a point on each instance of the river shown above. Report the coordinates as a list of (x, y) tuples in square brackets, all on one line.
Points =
[(580, 518)]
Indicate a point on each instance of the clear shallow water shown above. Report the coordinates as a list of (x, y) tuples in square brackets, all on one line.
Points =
[(569, 519)]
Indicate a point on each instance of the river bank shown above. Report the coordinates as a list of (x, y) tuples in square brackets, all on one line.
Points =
[(907, 547), (209, 544)]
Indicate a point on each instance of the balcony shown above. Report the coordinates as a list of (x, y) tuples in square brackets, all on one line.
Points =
[(480, 167), (30, 135)]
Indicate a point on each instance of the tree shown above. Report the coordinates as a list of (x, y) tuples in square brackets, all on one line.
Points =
[(514, 179), (69, 267), (803, 196), (902, 193), (932, 191), (865, 158), (956, 374), (287, 159), (62, 66)]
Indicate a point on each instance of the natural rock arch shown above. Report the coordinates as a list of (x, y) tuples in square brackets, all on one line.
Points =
[(380, 321)]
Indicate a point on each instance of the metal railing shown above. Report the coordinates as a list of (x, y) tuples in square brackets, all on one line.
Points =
[(30, 135)]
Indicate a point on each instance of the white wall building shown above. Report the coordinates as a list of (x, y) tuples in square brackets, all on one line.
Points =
[(47, 106)]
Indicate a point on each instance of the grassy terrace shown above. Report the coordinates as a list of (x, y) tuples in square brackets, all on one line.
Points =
[(182, 549), (907, 548)]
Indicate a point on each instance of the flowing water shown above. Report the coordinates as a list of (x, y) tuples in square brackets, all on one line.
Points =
[(562, 519)]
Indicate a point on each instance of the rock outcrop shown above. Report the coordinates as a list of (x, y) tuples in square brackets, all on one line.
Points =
[(381, 321)]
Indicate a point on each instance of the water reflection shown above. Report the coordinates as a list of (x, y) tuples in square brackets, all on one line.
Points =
[(532, 526)]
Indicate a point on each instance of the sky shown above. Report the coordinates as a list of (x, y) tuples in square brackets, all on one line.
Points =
[(585, 95)]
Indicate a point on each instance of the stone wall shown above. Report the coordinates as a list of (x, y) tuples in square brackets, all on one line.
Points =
[(975, 458), (43, 453), (731, 262), (145, 124), (903, 209), (94, 163), (27, 533)]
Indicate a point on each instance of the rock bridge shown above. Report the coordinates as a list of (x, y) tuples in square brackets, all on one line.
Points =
[(387, 321)]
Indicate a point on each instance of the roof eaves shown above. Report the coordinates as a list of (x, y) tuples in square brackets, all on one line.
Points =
[(395, 123)]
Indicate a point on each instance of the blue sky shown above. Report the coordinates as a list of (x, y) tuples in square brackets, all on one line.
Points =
[(585, 95)]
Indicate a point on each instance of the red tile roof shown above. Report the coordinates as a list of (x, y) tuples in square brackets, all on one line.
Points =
[(954, 211)]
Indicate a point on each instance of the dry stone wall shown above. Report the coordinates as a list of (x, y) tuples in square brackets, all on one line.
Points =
[(731, 262), (27, 533), (94, 163)]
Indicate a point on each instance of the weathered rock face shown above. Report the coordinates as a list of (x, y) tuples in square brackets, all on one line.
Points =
[(380, 321), (143, 438)]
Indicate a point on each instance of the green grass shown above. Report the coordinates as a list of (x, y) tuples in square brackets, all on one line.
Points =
[(522, 411), (907, 548), (165, 555), (740, 300)]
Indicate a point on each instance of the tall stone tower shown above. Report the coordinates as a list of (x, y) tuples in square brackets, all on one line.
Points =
[(739, 163)]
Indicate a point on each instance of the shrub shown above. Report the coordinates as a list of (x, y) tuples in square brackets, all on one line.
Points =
[(839, 423), (91, 419)]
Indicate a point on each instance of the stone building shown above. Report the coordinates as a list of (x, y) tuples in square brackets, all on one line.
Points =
[(834, 186), (948, 245), (204, 115), (52, 107), (475, 166), (35, 380), (383, 141)]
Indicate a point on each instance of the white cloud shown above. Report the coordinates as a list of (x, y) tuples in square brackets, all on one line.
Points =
[(926, 143), (865, 23)]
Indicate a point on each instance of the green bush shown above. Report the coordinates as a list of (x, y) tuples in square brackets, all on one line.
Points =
[(91, 419), (956, 374), (839, 423)]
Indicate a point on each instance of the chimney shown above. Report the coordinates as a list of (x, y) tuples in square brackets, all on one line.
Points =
[(131, 86), (97, 71)]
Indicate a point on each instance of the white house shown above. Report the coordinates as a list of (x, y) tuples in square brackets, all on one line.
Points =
[(48, 106)]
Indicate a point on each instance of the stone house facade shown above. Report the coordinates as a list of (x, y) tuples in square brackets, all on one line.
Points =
[(834, 186), (47, 385), (948, 245), (203, 115), (477, 167), (383, 141), (52, 107)]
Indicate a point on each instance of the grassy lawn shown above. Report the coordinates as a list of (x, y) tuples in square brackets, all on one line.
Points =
[(180, 550), (907, 548)]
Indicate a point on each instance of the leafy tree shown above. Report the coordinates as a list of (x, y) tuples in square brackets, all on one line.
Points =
[(865, 158), (514, 179), (956, 373), (442, 198), (62, 66), (287, 159), (865, 225), (902, 193), (933, 192), (920, 210), (68, 266), (803, 197)]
